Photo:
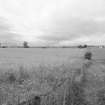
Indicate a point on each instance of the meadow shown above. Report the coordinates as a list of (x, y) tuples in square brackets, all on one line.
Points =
[(51, 74)]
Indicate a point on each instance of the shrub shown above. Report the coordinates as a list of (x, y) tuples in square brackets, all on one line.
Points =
[(88, 56)]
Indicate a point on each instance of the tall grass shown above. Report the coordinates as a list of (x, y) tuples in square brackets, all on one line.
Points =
[(101, 97), (17, 87)]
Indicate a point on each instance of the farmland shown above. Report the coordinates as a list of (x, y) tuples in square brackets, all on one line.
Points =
[(36, 56), (32, 71)]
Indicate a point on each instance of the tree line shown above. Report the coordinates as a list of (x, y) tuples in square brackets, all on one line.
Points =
[(25, 44)]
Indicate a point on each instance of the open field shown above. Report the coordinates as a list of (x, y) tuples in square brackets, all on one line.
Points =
[(36, 56), (53, 74)]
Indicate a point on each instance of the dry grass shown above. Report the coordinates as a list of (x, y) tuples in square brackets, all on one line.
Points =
[(62, 84), (22, 85), (16, 86)]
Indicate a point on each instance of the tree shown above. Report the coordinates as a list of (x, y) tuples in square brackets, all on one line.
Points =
[(0, 45), (25, 44), (85, 46)]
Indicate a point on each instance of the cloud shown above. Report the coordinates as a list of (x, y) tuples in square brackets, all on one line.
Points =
[(74, 28), (93, 39), (74, 20), (5, 31), (53, 21)]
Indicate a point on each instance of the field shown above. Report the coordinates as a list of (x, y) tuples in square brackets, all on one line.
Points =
[(48, 73), (36, 56)]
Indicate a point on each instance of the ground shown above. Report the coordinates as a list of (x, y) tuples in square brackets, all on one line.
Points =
[(24, 72)]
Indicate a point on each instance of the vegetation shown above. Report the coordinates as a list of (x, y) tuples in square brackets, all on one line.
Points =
[(56, 88), (52, 84), (88, 55), (83, 46), (25, 44), (101, 97)]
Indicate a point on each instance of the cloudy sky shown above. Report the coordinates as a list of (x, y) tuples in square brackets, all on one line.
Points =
[(53, 22)]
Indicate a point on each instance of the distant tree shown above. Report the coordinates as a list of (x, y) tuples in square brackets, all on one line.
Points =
[(0, 45), (80, 46), (4, 46), (85, 46), (25, 44)]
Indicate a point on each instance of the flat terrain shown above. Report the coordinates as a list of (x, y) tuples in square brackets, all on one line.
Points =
[(24, 72), (52, 56), (11, 57)]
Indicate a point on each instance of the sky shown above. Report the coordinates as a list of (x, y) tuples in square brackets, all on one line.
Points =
[(53, 22)]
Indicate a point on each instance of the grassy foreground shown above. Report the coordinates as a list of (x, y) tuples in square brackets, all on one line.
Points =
[(55, 85)]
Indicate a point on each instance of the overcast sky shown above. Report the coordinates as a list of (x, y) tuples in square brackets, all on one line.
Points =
[(55, 22)]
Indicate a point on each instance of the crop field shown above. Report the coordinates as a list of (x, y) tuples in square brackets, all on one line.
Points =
[(57, 76)]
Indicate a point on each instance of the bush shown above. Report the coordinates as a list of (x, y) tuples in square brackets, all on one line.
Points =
[(88, 56)]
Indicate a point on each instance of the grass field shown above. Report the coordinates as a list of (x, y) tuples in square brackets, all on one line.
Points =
[(36, 71), (36, 56)]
